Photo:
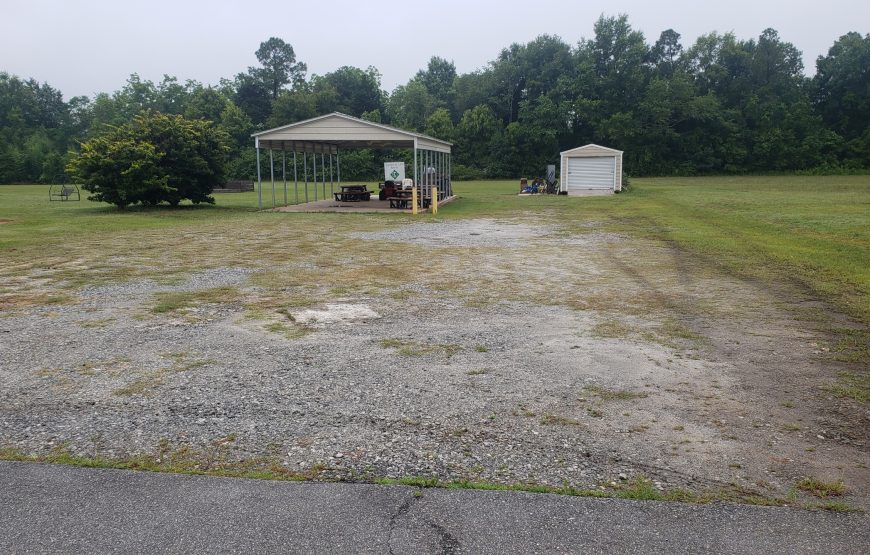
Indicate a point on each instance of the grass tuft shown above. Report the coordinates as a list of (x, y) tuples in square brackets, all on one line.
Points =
[(851, 386), (180, 300), (820, 488)]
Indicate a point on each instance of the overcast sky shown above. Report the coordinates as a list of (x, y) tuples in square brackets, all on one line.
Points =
[(83, 47)]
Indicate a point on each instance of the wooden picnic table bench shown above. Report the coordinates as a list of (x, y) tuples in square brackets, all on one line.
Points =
[(353, 193), (403, 200)]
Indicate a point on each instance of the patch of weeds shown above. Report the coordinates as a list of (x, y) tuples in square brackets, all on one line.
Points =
[(410, 348), (390, 343), (479, 371), (613, 394), (481, 349), (181, 361), (821, 488), (139, 386), (595, 413), (401, 294), (610, 329), (833, 506), (852, 345), (790, 427), (477, 302), (679, 428), (290, 331), (677, 330), (788, 404), (14, 301), (550, 419), (180, 460), (180, 300), (638, 487), (851, 386), (415, 481)]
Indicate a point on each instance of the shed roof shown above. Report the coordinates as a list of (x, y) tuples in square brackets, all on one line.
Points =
[(334, 131), (591, 146)]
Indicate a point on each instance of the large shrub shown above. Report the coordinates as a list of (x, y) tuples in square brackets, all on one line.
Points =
[(155, 158)]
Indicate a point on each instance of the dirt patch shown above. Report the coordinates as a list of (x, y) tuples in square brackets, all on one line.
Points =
[(482, 233), (2, 221), (335, 313)]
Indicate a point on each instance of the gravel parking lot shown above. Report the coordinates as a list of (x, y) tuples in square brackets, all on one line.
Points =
[(521, 353)]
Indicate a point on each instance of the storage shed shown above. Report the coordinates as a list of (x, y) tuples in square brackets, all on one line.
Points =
[(591, 169)]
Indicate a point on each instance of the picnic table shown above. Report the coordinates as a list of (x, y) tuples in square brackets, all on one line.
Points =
[(402, 199), (353, 193)]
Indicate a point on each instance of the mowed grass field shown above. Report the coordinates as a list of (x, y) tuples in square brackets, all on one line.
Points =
[(810, 231)]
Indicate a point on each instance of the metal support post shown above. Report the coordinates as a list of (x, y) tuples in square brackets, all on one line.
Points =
[(295, 177), (259, 183), (272, 176), (305, 172)]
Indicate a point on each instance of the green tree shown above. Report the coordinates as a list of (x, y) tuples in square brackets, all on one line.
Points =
[(666, 54), (292, 106), (279, 66), (410, 106), (253, 98), (206, 103), (155, 158), (841, 93), (476, 135), (350, 90), (439, 125), (438, 79)]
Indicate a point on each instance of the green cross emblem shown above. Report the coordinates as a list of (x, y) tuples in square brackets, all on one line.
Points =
[(395, 174)]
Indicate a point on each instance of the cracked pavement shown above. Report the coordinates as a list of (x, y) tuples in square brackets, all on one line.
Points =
[(53, 508)]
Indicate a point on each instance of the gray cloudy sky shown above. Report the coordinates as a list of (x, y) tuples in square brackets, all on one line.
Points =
[(87, 46)]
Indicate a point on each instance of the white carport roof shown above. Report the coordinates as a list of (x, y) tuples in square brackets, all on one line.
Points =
[(336, 131)]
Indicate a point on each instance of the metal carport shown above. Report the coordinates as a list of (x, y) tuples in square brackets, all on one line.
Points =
[(330, 134)]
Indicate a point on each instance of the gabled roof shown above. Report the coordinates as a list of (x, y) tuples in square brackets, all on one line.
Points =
[(591, 146), (336, 130)]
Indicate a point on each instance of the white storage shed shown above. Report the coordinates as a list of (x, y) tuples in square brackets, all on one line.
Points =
[(591, 169)]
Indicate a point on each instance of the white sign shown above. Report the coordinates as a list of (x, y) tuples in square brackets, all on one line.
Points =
[(394, 171)]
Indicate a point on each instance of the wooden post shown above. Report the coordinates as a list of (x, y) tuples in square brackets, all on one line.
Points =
[(414, 199), (434, 200)]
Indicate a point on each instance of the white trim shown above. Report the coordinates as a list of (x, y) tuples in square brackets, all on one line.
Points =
[(591, 145)]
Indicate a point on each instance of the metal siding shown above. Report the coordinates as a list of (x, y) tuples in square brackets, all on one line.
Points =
[(585, 172)]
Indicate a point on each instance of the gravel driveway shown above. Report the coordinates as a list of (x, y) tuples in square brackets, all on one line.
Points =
[(553, 360)]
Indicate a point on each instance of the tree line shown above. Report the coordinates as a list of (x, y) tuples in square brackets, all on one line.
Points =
[(721, 105)]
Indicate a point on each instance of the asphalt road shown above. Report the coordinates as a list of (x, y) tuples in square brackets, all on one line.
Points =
[(50, 508)]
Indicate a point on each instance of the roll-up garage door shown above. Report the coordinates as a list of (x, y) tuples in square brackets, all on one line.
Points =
[(591, 173)]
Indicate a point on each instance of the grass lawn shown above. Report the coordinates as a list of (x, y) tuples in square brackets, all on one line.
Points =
[(811, 230)]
